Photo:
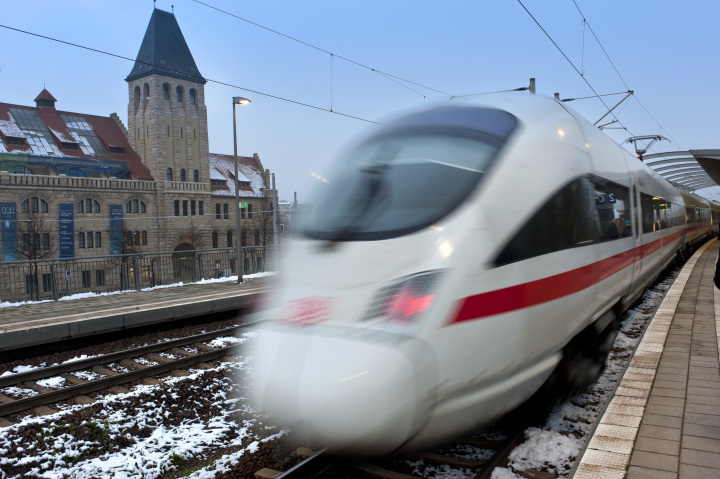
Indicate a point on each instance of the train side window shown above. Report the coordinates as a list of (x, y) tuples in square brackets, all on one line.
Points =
[(690, 214), (612, 202), (568, 219), (654, 211)]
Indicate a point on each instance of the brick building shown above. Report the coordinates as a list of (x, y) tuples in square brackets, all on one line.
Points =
[(74, 185)]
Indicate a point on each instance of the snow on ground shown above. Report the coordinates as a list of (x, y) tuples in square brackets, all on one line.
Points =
[(144, 433), (228, 279)]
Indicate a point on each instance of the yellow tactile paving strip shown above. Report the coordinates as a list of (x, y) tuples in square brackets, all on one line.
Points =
[(609, 451)]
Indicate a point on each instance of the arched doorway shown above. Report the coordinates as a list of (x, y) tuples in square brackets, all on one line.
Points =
[(184, 263)]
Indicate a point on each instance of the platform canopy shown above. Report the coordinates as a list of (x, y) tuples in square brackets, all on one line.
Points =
[(691, 170)]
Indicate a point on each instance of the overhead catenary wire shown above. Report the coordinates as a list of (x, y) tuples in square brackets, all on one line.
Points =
[(570, 62), (209, 80), (617, 71), (385, 74)]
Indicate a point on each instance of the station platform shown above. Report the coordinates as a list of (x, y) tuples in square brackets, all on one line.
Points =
[(664, 419), (34, 324)]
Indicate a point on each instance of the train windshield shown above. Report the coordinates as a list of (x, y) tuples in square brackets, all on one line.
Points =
[(400, 182)]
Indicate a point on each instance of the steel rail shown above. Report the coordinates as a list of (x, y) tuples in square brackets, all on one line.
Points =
[(64, 394), (112, 357)]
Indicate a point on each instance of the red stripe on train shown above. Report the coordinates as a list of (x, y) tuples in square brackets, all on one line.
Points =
[(554, 287)]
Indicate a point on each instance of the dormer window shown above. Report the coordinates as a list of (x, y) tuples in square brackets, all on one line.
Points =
[(118, 150), (15, 141), (42, 103), (69, 146)]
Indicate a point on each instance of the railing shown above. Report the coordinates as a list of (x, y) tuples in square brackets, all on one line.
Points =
[(54, 278)]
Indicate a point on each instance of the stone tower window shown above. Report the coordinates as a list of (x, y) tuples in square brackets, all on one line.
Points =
[(137, 95), (193, 95), (179, 94), (146, 91), (166, 91), (169, 174)]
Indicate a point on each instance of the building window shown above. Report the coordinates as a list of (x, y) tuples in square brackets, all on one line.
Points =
[(117, 150), (177, 207), (89, 240), (179, 94), (200, 208), (46, 241), (137, 238), (86, 278), (166, 91), (43, 206), (168, 131), (214, 239), (144, 237), (146, 91), (129, 238), (81, 240), (34, 203), (169, 174), (96, 207), (196, 176), (243, 238), (100, 277), (257, 237), (249, 212), (229, 238), (128, 207), (143, 208), (185, 209), (192, 207), (242, 213), (217, 211), (182, 174), (193, 95), (47, 282), (225, 211), (98, 239), (88, 205)]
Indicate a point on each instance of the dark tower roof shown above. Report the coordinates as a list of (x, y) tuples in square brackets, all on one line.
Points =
[(164, 51), (45, 99)]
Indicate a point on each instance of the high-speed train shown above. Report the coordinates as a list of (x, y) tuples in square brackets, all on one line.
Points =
[(454, 261)]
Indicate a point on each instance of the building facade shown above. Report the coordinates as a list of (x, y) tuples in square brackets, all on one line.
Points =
[(76, 186)]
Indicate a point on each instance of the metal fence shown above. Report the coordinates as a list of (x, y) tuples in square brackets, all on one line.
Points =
[(55, 278)]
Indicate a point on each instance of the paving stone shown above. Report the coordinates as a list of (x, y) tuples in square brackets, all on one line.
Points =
[(701, 443), (666, 421), (659, 432), (702, 409), (700, 430), (681, 385), (652, 460), (700, 458), (644, 473), (660, 446), (706, 419), (688, 471), (674, 393), (706, 400), (666, 401), (676, 411)]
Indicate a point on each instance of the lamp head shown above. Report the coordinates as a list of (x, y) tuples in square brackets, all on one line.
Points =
[(240, 100)]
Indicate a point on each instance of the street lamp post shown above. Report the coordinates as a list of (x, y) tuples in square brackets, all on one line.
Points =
[(237, 100)]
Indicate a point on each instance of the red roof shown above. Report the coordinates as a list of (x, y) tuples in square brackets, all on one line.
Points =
[(105, 128), (45, 95)]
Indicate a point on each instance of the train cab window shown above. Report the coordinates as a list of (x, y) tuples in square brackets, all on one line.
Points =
[(588, 210), (408, 177)]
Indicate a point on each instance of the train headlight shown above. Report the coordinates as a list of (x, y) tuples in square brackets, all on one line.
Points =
[(401, 306)]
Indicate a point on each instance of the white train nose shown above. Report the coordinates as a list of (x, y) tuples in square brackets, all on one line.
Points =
[(353, 396)]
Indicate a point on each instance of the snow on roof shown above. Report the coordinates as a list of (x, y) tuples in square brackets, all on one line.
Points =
[(10, 128), (64, 137), (222, 167)]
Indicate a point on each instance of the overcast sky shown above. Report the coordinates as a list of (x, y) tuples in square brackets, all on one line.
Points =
[(667, 51)]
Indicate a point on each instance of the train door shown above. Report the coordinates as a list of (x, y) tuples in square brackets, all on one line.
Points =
[(636, 232)]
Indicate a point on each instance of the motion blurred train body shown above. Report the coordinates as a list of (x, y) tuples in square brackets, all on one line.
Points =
[(455, 260)]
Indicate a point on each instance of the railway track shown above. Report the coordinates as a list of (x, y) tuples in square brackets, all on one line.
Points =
[(107, 371)]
